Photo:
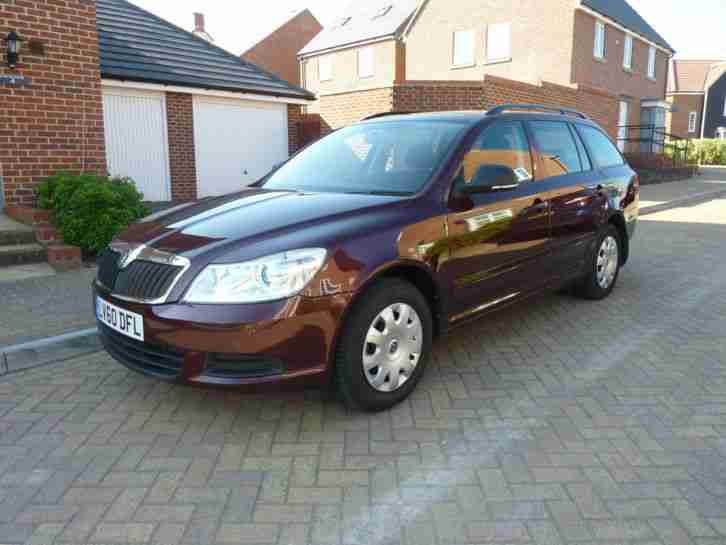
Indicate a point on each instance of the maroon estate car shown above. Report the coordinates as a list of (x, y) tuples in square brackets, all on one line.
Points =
[(344, 262)]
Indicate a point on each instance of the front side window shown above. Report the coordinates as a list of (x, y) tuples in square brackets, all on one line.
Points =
[(557, 147), (628, 52), (463, 48), (504, 143), (651, 62), (692, 120), (387, 158), (602, 149), (599, 49), (366, 67), (325, 68), (499, 42)]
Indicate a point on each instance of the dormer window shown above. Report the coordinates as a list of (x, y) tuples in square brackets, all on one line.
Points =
[(385, 10)]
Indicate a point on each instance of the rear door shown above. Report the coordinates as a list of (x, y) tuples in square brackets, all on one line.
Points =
[(573, 193), (495, 244)]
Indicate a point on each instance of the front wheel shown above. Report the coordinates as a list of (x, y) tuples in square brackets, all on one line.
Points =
[(384, 346), (604, 267)]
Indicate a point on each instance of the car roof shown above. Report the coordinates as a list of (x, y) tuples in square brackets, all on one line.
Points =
[(474, 116)]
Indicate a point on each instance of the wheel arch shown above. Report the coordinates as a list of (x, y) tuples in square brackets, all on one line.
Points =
[(618, 221)]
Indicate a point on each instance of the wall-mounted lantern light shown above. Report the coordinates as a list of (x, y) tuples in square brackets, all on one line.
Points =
[(12, 43)]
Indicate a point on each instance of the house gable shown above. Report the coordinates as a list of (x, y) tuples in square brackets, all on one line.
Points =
[(277, 52)]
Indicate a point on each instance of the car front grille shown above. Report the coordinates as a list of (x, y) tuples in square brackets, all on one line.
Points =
[(142, 280), (154, 360)]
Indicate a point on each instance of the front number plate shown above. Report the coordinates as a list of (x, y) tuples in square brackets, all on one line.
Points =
[(125, 322)]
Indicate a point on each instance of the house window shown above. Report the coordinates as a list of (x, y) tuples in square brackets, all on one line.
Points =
[(365, 63), (325, 68), (599, 50), (628, 52), (651, 62), (464, 48), (692, 119), (499, 42), (724, 107), (721, 133)]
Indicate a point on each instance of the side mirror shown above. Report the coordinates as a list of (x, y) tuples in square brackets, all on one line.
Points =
[(489, 178)]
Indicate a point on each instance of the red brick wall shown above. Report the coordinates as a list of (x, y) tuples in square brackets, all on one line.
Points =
[(294, 118), (182, 162), (57, 122), (678, 121), (342, 109)]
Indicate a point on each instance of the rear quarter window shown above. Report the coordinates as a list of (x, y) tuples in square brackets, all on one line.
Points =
[(602, 150)]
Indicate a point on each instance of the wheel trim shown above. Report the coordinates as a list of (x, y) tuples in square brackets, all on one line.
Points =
[(607, 262), (392, 347)]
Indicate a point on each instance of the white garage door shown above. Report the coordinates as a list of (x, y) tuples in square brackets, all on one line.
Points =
[(136, 140), (237, 142)]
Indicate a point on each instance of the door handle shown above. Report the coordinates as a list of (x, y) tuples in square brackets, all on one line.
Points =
[(538, 206)]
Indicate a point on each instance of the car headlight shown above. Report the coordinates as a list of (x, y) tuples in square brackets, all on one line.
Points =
[(269, 278)]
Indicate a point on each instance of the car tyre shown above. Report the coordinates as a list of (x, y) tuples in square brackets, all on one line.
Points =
[(603, 267), (381, 354)]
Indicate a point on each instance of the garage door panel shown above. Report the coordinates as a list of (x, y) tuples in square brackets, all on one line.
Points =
[(237, 142), (136, 141)]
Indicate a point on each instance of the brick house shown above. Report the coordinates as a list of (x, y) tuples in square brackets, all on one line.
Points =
[(277, 52), (599, 55), (697, 94), (106, 86)]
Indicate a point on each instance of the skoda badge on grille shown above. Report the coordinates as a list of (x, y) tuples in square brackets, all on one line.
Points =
[(127, 252)]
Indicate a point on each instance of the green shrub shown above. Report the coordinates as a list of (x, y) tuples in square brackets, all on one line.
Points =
[(89, 210), (707, 152)]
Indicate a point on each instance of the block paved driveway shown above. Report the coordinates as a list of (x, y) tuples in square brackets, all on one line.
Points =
[(562, 421)]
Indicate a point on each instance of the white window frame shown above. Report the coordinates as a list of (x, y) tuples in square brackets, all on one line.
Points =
[(325, 74), (498, 52), (628, 52), (721, 133), (366, 63), (724, 107), (599, 51), (652, 56), (692, 121), (469, 61)]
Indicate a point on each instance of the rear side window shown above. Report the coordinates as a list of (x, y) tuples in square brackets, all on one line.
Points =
[(603, 151), (557, 147)]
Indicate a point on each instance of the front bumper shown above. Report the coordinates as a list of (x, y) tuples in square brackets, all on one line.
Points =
[(266, 343)]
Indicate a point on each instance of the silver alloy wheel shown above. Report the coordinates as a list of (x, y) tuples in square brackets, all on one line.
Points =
[(608, 258), (392, 348)]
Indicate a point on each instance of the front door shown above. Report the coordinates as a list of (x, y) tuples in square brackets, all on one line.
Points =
[(622, 124), (494, 246)]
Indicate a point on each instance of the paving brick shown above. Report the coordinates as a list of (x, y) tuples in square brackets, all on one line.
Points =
[(108, 532), (248, 533)]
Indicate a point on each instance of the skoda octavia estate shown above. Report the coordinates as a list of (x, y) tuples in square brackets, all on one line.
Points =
[(345, 262)]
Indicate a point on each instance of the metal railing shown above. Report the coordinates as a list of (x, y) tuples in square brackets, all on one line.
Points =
[(654, 139)]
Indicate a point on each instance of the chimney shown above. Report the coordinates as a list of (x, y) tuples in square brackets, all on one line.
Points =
[(199, 28), (199, 23)]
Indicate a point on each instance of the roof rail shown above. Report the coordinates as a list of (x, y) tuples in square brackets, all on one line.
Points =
[(385, 114), (529, 107)]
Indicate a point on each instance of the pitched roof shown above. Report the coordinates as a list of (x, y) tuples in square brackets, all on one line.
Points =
[(714, 74), (289, 17), (623, 13), (689, 76), (136, 45), (363, 21)]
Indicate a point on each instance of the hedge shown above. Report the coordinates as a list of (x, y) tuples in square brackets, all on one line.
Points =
[(90, 210)]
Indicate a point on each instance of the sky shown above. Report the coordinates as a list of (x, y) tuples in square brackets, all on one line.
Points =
[(695, 28)]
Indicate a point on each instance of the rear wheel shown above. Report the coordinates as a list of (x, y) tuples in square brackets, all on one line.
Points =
[(604, 267), (384, 346)]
